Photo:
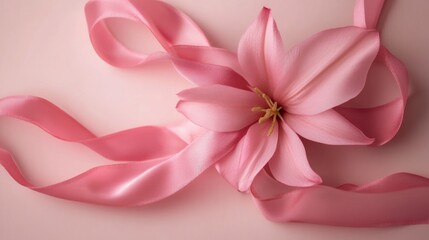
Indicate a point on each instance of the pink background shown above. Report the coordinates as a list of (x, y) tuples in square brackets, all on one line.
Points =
[(45, 51)]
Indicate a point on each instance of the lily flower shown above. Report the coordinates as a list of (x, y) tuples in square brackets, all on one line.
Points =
[(276, 97)]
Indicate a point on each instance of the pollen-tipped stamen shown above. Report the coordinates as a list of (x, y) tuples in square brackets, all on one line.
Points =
[(272, 111)]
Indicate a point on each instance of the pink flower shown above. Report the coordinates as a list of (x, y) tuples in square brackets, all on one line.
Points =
[(275, 96)]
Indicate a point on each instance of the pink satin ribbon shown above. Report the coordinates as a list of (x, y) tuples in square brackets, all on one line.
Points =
[(132, 183), (169, 26), (159, 162), (162, 161), (398, 199), (380, 122), (139, 146)]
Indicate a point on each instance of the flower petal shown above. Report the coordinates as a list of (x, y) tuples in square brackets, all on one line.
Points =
[(261, 52), (255, 149), (274, 54), (327, 69), (289, 163), (208, 65), (219, 108), (328, 127)]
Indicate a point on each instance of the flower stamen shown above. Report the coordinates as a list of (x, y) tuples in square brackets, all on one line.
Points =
[(273, 110)]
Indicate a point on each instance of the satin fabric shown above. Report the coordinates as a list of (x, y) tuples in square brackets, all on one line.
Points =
[(158, 161), (168, 25), (147, 175), (141, 141), (133, 183), (397, 199)]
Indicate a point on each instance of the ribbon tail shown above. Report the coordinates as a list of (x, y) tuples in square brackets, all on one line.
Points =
[(134, 183), (398, 199)]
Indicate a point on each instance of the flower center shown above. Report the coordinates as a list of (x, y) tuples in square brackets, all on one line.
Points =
[(273, 110)]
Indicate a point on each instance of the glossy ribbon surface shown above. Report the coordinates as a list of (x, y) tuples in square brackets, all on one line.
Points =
[(397, 199), (159, 161)]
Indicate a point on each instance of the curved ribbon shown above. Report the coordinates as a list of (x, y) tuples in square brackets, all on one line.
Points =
[(398, 199), (184, 43), (136, 144), (134, 183), (170, 164), (169, 26), (380, 122)]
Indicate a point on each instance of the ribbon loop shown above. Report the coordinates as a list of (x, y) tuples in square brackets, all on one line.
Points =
[(170, 27), (380, 122)]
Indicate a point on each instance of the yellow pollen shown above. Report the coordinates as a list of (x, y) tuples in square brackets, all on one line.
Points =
[(273, 110)]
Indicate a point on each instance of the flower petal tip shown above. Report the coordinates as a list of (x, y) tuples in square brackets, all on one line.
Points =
[(266, 9), (365, 141), (265, 13), (317, 180), (243, 187), (312, 180), (182, 94), (178, 104)]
